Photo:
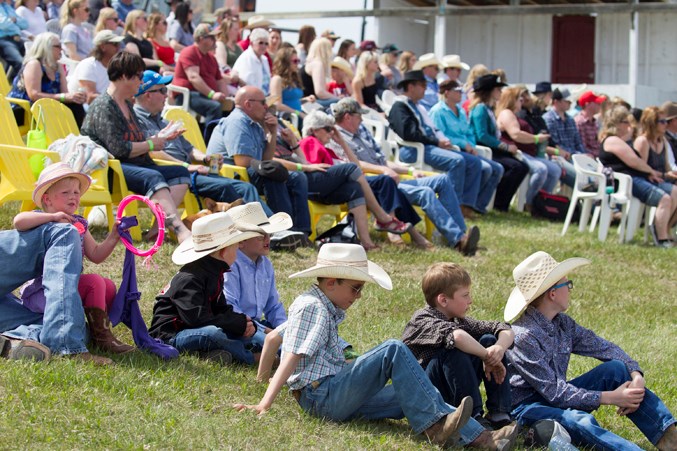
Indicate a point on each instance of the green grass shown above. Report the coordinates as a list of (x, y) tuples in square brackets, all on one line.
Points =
[(628, 295)]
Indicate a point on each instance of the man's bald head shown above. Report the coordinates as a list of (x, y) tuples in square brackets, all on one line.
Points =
[(252, 101), (246, 93)]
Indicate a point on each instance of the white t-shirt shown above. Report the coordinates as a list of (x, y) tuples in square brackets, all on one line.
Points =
[(89, 69), (254, 70), (35, 19), (81, 36)]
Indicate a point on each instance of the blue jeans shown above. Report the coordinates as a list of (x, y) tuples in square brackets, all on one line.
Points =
[(147, 180), (652, 417), (436, 196), (53, 251), (360, 390), (209, 109), (544, 175), (457, 375), (224, 189), (391, 199), (648, 192), (492, 173), (10, 50), (336, 186), (290, 197), (568, 175), (209, 338)]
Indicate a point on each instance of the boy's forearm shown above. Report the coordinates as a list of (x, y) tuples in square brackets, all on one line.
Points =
[(286, 369), (466, 343), (505, 338)]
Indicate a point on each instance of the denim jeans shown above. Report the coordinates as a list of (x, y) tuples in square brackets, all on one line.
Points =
[(391, 199), (457, 375), (209, 338), (290, 197), (360, 390), (649, 192), (492, 173), (436, 196), (544, 175), (10, 51), (210, 109), (336, 186), (652, 417), (568, 176), (147, 180), (53, 251)]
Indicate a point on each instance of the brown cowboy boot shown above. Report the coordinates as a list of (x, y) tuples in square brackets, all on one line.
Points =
[(449, 426), (669, 440), (501, 440), (102, 336)]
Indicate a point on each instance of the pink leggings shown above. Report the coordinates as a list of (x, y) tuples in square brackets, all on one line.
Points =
[(96, 291)]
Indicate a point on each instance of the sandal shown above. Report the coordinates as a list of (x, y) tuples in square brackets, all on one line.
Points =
[(393, 226)]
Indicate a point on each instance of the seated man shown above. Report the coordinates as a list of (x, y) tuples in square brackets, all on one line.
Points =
[(411, 122), (545, 339), (430, 66), (451, 120), (53, 251), (150, 101), (197, 70), (242, 138), (563, 131), (434, 194), (252, 66), (11, 46), (587, 124)]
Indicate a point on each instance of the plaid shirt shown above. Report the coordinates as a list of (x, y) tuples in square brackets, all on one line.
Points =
[(564, 132), (588, 129), (312, 332), (429, 330), (540, 359)]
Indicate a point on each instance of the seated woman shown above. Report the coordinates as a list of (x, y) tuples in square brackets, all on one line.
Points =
[(380, 191), (111, 123), (157, 35), (41, 76), (647, 183), (487, 90), (136, 25), (108, 20), (315, 73), (364, 83), (180, 32), (285, 86), (76, 33), (34, 15), (516, 131), (227, 48)]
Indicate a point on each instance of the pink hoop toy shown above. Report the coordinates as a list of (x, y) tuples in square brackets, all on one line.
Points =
[(159, 216)]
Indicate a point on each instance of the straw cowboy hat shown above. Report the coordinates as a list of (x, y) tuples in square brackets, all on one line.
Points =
[(346, 261), (449, 61), (258, 22), (425, 60), (342, 64), (212, 233), (52, 174), (252, 213), (533, 277)]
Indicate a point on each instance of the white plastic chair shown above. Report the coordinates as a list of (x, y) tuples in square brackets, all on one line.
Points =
[(185, 100), (586, 171), (309, 107), (385, 102)]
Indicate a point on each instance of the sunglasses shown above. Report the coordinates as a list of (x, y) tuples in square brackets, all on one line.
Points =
[(296, 61), (113, 19), (261, 101), (356, 290), (164, 22), (569, 284), (86, 9), (57, 46), (162, 91), (662, 121), (327, 128)]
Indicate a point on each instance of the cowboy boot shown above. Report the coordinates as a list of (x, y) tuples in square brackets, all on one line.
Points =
[(102, 336), (669, 440)]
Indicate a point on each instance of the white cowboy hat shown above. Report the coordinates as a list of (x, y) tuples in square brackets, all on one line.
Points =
[(342, 64), (252, 213), (52, 174), (346, 261), (211, 233), (425, 60), (533, 277), (258, 22), (453, 61)]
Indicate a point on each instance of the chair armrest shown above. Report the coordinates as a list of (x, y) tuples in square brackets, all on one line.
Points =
[(420, 149), (234, 172), (180, 90), (484, 152)]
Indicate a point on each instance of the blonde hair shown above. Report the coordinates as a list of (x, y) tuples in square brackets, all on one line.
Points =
[(130, 21), (443, 278), (475, 72), (104, 15), (41, 50), (403, 63), (648, 123), (362, 62), (153, 21), (613, 116), (509, 98), (320, 50), (66, 11)]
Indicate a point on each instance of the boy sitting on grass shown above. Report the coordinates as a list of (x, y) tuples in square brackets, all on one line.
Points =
[(459, 352), (325, 385), (191, 312)]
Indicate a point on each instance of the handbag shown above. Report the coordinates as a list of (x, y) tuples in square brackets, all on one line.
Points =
[(36, 138), (552, 207), (345, 231)]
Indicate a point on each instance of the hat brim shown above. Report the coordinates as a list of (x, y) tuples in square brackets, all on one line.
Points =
[(260, 24), (185, 253), (374, 274), (164, 80), (277, 223), (461, 65), (420, 65), (85, 182), (518, 303)]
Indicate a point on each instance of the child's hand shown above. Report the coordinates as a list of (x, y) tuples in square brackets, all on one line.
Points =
[(494, 355), (496, 373), (60, 216), (259, 409), (114, 235), (250, 329)]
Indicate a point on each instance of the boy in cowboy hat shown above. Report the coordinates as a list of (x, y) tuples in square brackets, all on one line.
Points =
[(545, 338), (191, 312), (459, 352), (325, 385)]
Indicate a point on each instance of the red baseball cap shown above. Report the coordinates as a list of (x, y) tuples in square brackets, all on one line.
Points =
[(367, 46), (589, 96)]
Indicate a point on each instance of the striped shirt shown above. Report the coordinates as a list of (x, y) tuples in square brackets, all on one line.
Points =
[(312, 332)]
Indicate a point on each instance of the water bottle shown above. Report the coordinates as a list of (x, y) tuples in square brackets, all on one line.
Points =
[(560, 443)]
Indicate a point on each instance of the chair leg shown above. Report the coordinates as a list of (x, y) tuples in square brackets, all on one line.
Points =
[(585, 214), (605, 220), (570, 214)]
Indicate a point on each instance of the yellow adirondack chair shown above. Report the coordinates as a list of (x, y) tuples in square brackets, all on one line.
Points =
[(9, 131), (5, 87), (18, 181)]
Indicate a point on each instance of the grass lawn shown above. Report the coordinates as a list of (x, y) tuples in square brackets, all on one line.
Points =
[(628, 295)]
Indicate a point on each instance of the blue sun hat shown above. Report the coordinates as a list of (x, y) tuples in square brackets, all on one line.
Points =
[(150, 79)]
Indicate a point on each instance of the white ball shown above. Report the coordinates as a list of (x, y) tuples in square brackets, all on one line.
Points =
[(97, 217)]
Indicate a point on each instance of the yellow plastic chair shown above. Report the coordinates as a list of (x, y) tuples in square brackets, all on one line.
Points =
[(9, 131), (59, 120), (18, 181), (5, 87)]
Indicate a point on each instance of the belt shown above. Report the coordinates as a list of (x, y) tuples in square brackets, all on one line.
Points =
[(297, 393)]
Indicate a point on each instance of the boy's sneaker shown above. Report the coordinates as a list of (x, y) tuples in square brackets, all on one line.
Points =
[(220, 356), (286, 240), (448, 427), (23, 349)]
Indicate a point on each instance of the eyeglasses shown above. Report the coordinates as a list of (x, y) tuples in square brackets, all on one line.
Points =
[(261, 43), (57, 46), (662, 121), (164, 22), (327, 128), (115, 19), (261, 101), (356, 290), (569, 284), (296, 61), (86, 9), (162, 91)]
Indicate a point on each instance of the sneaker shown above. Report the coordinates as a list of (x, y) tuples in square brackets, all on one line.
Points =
[(220, 356), (23, 350), (448, 427), (286, 240)]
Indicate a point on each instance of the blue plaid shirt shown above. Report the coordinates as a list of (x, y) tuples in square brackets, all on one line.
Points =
[(564, 132), (540, 359), (312, 332)]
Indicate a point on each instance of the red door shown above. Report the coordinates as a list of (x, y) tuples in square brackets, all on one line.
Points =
[(573, 49)]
